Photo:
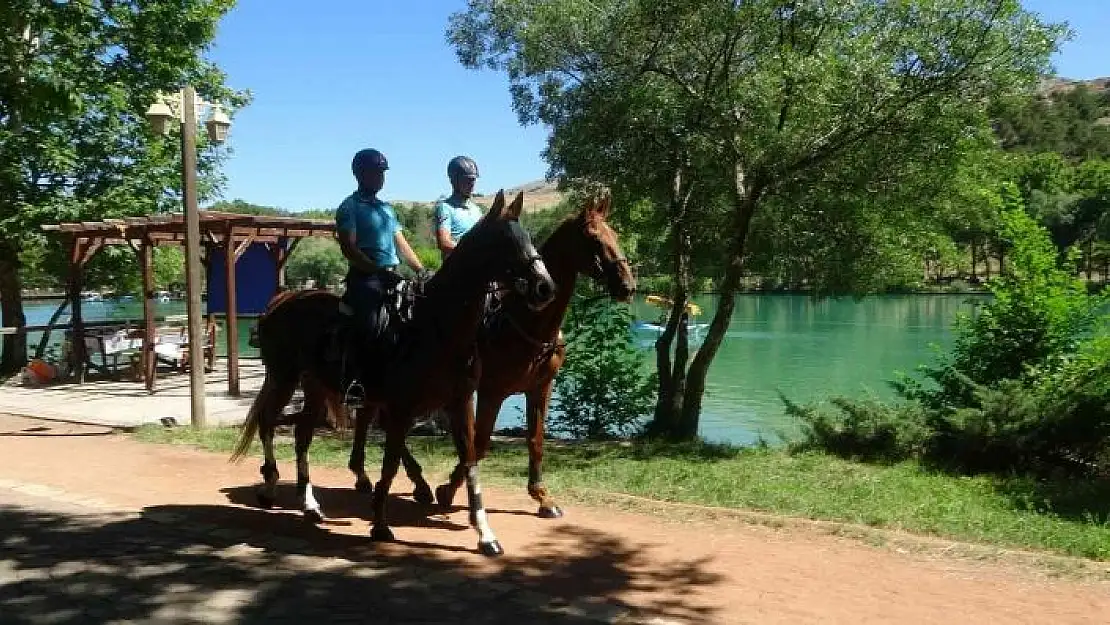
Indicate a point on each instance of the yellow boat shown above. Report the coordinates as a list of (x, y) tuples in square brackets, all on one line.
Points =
[(666, 303)]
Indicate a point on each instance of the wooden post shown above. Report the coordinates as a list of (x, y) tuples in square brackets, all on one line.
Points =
[(192, 256), (280, 252), (146, 261), (77, 330), (284, 250), (232, 313)]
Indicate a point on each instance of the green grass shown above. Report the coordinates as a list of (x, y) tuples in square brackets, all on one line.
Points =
[(1069, 518)]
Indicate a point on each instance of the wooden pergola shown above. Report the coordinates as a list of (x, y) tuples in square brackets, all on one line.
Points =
[(227, 233)]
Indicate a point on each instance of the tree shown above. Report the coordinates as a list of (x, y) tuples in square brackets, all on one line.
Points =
[(75, 79), (319, 260), (719, 110)]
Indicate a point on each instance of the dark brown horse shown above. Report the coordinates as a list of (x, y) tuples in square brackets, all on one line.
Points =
[(524, 352), (436, 364)]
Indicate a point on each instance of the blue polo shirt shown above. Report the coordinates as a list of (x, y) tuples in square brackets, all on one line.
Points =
[(373, 223), (457, 215)]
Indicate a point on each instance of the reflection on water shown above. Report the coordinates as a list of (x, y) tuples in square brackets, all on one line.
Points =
[(804, 348)]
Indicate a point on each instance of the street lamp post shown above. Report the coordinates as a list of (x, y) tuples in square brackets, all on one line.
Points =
[(159, 114)]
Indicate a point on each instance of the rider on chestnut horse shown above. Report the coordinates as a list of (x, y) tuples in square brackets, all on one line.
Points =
[(457, 214)]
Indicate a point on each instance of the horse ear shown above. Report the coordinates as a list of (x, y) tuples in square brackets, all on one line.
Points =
[(604, 206), (498, 205), (517, 207), (590, 208)]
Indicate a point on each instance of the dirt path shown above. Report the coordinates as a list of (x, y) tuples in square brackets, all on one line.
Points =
[(62, 483)]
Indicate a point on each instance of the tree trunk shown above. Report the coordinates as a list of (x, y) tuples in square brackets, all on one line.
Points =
[(746, 203), (672, 375), (974, 262), (11, 305), (1090, 257), (44, 340)]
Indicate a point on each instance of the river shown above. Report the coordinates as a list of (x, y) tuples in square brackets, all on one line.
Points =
[(805, 348)]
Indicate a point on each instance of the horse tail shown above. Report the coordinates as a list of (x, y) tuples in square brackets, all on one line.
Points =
[(254, 419)]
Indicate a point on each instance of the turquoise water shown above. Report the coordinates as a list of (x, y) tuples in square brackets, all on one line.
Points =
[(809, 349), (805, 348)]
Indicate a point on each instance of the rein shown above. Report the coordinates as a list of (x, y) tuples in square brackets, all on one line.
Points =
[(546, 347)]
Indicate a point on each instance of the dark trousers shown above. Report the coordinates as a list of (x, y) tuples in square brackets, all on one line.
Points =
[(366, 294)]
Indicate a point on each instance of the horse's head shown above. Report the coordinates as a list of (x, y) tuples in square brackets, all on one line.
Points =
[(507, 253), (597, 251)]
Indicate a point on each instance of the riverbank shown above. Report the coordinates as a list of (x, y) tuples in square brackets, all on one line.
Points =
[(1065, 517)]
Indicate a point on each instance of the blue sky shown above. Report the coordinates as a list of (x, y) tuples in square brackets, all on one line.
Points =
[(332, 77)]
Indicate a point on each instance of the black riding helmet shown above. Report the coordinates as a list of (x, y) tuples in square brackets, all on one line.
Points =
[(368, 160), (462, 167)]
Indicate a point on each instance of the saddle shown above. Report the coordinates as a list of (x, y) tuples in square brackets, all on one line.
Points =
[(347, 347)]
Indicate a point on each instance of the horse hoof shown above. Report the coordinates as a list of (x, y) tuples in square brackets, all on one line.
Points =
[(445, 495), (381, 533), (552, 512), (423, 495), (364, 486), (315, 517), (265, 501), (491, 550)]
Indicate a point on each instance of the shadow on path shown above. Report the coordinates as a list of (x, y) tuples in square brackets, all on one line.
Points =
[(184, 563)]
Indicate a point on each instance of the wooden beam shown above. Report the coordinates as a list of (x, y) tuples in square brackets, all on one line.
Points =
[(74, 287), (90, 251), (243, 245), (288, 252), (230, 257), (148, 361)]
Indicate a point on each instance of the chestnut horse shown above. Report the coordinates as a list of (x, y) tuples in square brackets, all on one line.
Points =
[(523, 353), (435, 364)]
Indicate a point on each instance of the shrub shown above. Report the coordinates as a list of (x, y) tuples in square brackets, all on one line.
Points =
[(603, 390), (867, 430), (1039, 311)]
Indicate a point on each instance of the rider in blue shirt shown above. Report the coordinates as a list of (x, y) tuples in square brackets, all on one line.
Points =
[(371, 239), (457, 214)]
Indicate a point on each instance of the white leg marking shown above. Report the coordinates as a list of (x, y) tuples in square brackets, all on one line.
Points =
[(310, 502), (478, 515), (485, 532)]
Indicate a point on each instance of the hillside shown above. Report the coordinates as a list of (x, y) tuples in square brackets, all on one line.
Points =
[(1054, 86), (538, 195)]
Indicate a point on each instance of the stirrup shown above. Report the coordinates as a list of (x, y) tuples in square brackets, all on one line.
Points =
[(355, 397)]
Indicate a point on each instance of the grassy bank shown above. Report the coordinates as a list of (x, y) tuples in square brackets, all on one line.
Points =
[(1062, 517)]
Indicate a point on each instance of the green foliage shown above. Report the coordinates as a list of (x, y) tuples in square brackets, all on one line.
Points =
[(1040, 309), (319, 260), (1065, 121), (1026, 387), (602, 390), (242, 207), (169, 268), (542, 223), (867, 430), (430, 257), (75, 79)]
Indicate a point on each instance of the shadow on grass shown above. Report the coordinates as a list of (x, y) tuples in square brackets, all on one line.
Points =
[(171, 565), (1086, 500)]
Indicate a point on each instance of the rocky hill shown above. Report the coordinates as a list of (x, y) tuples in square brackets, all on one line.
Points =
[(538, 195)]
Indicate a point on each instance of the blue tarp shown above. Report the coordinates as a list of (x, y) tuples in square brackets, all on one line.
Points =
[(255, 281)]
